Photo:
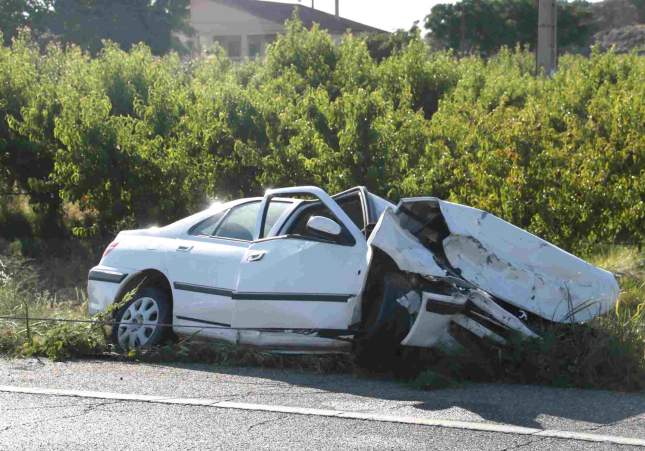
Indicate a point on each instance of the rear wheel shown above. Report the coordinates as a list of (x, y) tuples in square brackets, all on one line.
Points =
[(144, 321)]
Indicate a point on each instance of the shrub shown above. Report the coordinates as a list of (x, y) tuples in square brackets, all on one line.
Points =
[(129, 138)]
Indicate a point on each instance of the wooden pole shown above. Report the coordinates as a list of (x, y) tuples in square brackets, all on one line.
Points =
[(547, 46)]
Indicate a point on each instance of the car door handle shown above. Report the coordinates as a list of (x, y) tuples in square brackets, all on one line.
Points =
[(255, 256), (183, 248)]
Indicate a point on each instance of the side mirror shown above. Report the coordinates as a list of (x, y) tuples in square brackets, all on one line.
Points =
[(325, 226)]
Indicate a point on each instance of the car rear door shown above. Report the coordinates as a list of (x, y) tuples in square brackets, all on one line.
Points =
[(295, 281), (203, 268)]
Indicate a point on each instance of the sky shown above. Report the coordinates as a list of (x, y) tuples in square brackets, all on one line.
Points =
[(388, 15)]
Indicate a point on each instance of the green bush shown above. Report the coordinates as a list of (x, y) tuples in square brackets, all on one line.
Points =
[(129, 138)]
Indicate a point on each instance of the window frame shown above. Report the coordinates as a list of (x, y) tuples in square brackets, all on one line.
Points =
[(345, 239), (219, 224), (227, 212), (191, 230)]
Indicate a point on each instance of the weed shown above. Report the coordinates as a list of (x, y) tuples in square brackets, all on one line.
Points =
[(64, 341), (608, 352)]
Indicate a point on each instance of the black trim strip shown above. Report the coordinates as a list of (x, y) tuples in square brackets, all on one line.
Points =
[(202, 289), (212, 323), (307, 297), (291, 297), (106, 276)]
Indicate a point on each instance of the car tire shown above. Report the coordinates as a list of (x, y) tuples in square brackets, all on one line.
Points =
[(378, 349), (144, 321)]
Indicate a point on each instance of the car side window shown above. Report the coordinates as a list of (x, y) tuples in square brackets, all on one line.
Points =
[(275, 210), (353, 207), (239, 224), (299, 226), (207, 227)]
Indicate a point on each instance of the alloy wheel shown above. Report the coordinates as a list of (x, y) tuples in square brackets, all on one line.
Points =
[(138, 323)]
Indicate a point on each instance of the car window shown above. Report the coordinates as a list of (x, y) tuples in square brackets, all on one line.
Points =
[(239, 224), (353, 207), (207, 227), (276, 208), (299, 226)]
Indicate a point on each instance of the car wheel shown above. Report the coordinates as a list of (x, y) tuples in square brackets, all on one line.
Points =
[(387, 323), (144, 321)]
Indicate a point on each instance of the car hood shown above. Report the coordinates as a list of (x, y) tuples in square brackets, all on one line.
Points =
[(439, 239)]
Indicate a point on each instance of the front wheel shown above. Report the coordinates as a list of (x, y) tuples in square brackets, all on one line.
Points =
[(144, 321), (385, 324)]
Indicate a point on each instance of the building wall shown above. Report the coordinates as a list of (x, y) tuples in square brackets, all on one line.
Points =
[(214, 22), (243, 35)]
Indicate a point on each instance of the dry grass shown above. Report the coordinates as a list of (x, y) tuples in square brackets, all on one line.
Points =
[(608, 352)]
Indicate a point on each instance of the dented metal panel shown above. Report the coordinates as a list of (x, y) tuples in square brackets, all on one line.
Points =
[(524, 270), (403, 247), (442, 240), (430, 328)]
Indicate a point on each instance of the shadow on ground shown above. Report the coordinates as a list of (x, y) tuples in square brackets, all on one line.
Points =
[(520, 405)]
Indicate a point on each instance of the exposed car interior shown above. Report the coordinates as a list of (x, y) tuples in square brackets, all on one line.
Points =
[(350, 203), (239, 222)]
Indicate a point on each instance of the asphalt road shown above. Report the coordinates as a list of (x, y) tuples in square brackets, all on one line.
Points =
[(37, 421)]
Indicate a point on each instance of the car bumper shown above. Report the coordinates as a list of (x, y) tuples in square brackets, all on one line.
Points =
[(103, 286)]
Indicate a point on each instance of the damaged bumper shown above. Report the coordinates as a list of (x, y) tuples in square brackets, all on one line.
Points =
[(481, 273)]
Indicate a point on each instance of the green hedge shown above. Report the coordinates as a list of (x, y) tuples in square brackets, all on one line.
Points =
[(129, 138)]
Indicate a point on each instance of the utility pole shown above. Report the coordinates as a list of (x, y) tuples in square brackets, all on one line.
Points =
[(337, 9), (547, 45)]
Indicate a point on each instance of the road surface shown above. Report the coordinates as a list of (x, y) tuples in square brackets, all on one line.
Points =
[(116, 405)]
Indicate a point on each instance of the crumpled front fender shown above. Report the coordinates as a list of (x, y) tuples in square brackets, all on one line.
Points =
[(491, 263)]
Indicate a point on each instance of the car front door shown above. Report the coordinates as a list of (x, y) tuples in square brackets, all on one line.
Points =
[(297, 280)]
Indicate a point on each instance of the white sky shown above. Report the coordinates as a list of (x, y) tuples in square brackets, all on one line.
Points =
[(389, 15)]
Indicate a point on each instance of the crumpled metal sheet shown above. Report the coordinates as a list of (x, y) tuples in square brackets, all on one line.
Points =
[(403, 247), (524, 270), (496, 257)]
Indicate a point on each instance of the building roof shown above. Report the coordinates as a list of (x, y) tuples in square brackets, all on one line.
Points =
[(280, 12)]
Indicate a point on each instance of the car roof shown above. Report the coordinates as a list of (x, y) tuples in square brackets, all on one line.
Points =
[(185, 223)]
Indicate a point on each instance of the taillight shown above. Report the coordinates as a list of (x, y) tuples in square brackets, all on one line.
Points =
[(111, 246)]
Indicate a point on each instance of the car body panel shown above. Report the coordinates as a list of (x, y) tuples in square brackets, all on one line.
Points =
[(290, 282), (404, 248), (102, 287), (518, 267), (203, 272), (299, 284), (293, 292)]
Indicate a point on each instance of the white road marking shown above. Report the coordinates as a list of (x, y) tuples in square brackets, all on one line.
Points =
[(452, 424)]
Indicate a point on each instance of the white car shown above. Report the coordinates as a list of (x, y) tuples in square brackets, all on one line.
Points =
[(301, 271)]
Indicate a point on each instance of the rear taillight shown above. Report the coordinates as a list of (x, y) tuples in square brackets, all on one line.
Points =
[(111, 246)]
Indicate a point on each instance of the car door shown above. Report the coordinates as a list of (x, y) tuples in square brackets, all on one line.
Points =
[(299, 281), (203, 265)]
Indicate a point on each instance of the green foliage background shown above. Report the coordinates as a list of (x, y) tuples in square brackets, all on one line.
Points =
[(485, 26), (131, 138)]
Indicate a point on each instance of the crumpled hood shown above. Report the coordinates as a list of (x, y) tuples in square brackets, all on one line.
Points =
[(439, 239)]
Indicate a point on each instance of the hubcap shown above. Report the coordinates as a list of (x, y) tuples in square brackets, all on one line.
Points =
[(138, 323)]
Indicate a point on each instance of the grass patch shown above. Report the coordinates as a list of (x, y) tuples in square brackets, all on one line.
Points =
[(21, 295), (608, 352)]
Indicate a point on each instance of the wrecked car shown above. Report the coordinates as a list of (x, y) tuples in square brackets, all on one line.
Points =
[(302, 271)]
